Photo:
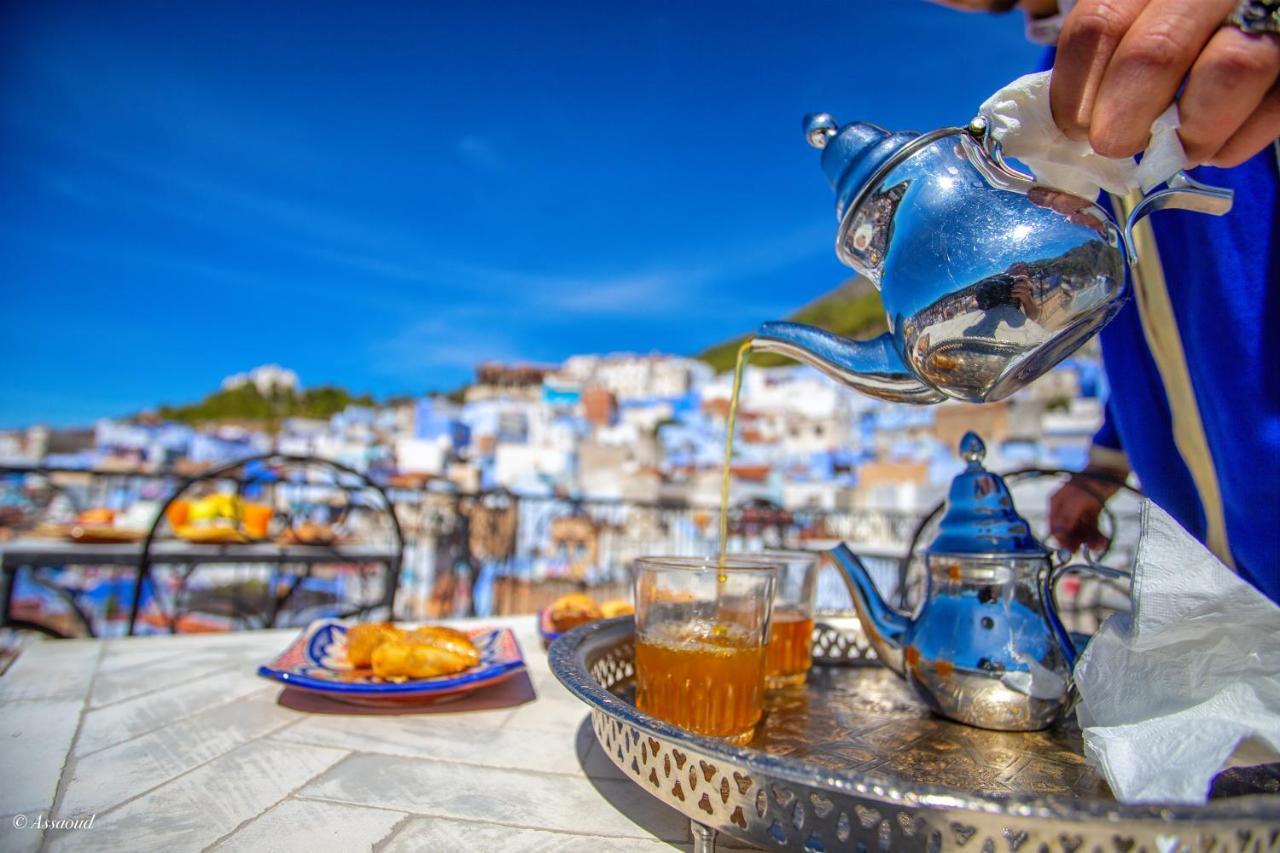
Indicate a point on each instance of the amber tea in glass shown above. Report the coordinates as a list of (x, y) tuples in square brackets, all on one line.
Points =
[(701, 629), (790, 653)]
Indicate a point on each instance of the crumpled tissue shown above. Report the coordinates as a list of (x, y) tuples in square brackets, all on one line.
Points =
[(1021, 120), (1187, 684)]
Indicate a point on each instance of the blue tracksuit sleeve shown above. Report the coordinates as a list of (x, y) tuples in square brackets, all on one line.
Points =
[(1107, 436), (1107, 450)]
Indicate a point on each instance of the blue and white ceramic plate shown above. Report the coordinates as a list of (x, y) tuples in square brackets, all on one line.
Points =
[(546, 628), (317, 662)]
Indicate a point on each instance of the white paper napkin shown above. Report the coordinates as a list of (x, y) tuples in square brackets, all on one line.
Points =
[(1186, 685), (1022, 122)]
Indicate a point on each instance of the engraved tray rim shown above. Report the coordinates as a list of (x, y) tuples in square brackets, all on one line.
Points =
[(569, 656)]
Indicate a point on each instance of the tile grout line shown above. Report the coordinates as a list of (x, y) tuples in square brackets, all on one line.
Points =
[(155, 655), (270, 735), (167, 723), (297, 794), (196, 767), (488, 823), (170, 685), (382, 843), (367, 750), (649, 836), (287, 795), (67, 771)]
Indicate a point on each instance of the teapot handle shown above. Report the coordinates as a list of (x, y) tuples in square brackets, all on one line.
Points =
[(1051, 578), (1181, 192), (997, 170)]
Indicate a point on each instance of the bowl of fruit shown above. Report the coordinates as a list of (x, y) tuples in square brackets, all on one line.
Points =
[(219, 519), (99, 526)]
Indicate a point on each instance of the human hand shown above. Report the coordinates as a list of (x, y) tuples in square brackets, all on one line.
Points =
[(1120, 64), (1074, 510), (1023, 295)]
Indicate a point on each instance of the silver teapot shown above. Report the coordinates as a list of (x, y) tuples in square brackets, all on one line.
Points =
[(988, 279), (987, 647)]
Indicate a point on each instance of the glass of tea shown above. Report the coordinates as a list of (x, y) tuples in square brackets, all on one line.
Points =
[(790, 652), (702, 627)]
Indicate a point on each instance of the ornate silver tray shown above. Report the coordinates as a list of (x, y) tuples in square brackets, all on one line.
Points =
[(853, 761)]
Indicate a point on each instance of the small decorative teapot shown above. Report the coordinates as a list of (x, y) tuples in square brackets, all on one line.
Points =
[(988, 279), (987, 647)]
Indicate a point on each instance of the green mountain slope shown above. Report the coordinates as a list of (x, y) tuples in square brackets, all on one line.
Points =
[(852, 309), (247, 404)]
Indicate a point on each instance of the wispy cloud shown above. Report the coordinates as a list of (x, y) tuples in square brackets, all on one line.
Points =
[(650, 290), (510, 328), (188, 194), (225, 276), (454, 340), (655, 291), (458, 310), (481, 154), (381, 251)]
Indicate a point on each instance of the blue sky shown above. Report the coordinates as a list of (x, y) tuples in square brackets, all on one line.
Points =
[(381, 195)]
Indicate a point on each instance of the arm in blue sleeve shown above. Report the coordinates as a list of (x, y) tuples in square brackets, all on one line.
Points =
[(1107, 436), (1107, 450)]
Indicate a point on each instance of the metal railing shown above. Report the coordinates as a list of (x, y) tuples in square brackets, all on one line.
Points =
[(499, 552), (464, 553)]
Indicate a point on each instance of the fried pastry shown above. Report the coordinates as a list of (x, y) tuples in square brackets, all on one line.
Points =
[(449, 639), (363, 639), (570, 611), (616, 607), (400, 659), (398, 654)]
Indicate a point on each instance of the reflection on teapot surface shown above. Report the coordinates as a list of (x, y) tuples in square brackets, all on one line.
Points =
[(987, 647), (988, 280), (978, 340)]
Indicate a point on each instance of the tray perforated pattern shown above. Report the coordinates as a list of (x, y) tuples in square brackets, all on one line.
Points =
[(854, 762)]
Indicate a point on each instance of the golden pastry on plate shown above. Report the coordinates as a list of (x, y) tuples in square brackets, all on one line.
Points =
[(443, 664), (403, 659), (363, 639), (617, 607), (428, 651), (570, 611), (450, 639)]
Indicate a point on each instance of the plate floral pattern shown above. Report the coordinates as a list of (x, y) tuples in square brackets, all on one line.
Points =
[(317, 662)]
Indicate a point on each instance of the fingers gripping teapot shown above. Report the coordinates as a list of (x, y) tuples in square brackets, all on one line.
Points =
[(988, 279)]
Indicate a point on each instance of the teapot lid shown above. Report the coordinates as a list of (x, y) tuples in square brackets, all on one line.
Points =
[(980, 517), (851, 154)]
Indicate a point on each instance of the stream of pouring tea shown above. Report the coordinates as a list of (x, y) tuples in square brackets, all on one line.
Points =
[(744, 353)]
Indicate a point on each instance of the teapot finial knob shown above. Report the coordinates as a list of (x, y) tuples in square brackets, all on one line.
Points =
[(972, 450), (819, 128)]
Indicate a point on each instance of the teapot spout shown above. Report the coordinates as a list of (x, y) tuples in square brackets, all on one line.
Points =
[(872, 367), (885, 627)]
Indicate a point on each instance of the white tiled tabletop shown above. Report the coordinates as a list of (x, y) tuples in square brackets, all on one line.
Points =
[(173, 743)]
